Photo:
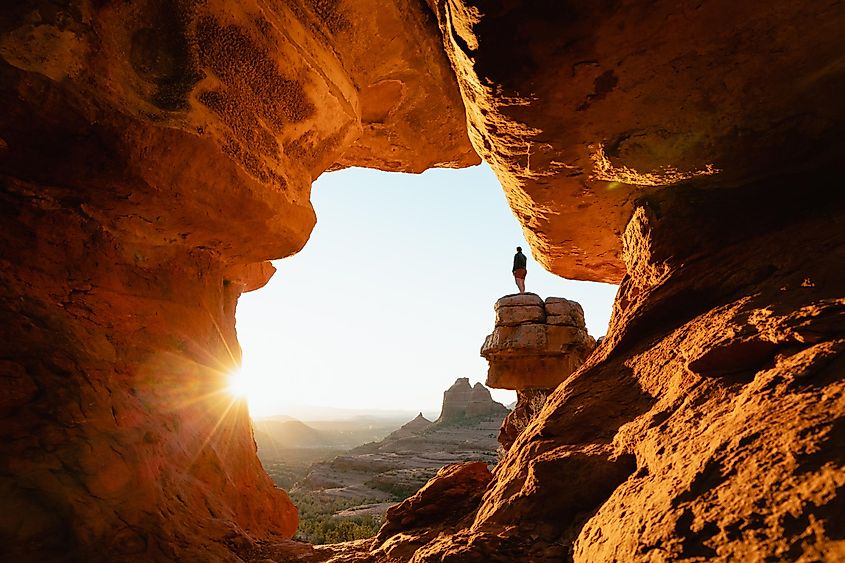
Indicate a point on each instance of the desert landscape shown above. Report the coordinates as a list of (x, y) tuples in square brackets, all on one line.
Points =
[(336, 473), (156, 155)]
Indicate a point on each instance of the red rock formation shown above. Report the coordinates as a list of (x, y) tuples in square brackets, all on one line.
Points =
[(528, 405), (461, 401), (153, 156), (535, 345), (441, 505)]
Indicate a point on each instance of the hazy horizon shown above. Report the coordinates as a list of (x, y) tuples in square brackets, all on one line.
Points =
[(391, 298)]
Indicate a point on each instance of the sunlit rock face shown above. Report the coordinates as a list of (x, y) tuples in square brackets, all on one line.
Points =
[(535, 344), (153, 156), (584, 108)]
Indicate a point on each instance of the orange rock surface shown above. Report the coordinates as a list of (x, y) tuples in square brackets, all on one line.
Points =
[(535, 345), (584, 108), (154, 155)]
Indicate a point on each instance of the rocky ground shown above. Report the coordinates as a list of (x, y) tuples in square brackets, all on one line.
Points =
[(395, 468)]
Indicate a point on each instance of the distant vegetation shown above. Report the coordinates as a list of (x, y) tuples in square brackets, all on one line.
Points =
[(290, 465), (318, 525)]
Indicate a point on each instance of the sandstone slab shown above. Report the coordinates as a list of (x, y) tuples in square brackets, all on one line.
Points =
[(638, 102), (561, 311), (515, 315), (519, 300)]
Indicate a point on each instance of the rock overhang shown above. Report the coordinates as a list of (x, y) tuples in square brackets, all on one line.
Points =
[(584, 109)]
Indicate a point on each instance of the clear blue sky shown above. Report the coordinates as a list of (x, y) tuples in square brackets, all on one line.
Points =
[(391, 298)]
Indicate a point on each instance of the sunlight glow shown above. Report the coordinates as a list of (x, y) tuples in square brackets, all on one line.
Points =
[(241, 385)]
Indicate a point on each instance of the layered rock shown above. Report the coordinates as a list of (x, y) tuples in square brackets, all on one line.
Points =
[(462, 401), (153, 156), (535, 344), (583, 109)]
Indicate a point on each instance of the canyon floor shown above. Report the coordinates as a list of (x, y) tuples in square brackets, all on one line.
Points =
[(343, 475)]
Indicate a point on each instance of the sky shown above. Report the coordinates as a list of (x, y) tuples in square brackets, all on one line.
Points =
[(391, 298)]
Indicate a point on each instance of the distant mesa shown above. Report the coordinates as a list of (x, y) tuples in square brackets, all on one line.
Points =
[(395, 467), (462, 401)]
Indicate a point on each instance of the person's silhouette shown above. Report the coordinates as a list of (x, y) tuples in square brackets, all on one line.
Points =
[(519, 269)]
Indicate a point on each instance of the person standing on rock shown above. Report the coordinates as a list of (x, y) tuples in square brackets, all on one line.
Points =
[(519, 269)]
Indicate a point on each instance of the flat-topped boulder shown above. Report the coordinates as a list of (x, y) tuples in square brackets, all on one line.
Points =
[(519, 300), (519, 309), (535, 344)]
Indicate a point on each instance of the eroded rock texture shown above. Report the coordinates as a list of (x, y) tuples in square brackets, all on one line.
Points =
[(582, 108), (153, 155)]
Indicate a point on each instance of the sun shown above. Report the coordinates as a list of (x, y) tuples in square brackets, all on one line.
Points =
[(240, 385)]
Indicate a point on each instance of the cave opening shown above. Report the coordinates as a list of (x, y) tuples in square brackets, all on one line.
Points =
[(364, 329)]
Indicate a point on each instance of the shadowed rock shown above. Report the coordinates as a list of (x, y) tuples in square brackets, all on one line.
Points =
[(462, 401)]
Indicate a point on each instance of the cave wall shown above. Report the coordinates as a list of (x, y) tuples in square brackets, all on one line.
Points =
[(582, 108), (153, 155)]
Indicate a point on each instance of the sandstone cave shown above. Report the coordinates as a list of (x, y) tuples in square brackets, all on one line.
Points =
[(155, 154)]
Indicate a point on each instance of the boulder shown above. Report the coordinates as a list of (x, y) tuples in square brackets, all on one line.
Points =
[(451, 495), (519, 300), (529, 351), (561, 311)]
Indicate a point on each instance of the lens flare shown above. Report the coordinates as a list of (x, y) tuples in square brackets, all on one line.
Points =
[(239, 385)]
